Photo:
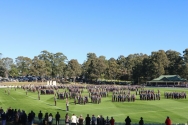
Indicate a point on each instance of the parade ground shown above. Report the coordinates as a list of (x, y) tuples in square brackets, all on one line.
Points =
[(152, 111)]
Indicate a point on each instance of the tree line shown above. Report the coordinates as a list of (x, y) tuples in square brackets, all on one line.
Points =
[(135, 67)]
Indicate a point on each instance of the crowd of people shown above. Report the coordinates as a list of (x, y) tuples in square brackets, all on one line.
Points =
[(149, 95), (175, 95), (21, 117), (122, 96)]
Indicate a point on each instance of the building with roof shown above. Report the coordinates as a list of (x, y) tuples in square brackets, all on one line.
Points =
[(167, 80)]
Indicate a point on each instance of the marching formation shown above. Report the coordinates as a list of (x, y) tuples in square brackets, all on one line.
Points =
[(83, 94), (175, 95), (149, 95), (122, 96)]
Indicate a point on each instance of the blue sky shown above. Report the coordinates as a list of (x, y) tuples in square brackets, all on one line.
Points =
[(105, 27)]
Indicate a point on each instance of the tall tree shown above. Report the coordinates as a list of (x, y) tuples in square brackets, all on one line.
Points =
[(54, 63), (121, 61), (38, 67), (2, 69), (24, 65), (14, 71), (7, 62), (158, 63), (175, 62), (74, 69), (185, 65), (86, 66), (113, 69), (185, 55)]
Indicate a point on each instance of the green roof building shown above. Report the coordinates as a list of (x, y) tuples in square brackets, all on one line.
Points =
[(167, 80)]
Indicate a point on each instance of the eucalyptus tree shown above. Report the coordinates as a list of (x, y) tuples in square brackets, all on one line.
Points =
[(87, 65), (185, 55), (121, 61), (6, 63), (96, 68), (2, 69), (54, 63), (185, 66), (38, 67), (113, 69), (158, 63), (14, 71), (137, 67), (73, 69), (23, 65), (175, 63)]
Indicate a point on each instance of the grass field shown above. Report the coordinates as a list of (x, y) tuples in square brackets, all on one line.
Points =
[(152, 111)]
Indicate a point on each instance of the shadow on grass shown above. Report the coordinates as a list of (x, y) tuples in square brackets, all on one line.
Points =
[(61, 110)]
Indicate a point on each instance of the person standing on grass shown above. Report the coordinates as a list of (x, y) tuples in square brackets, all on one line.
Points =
[(57, 117), (127, 121), (141, 122), (67, 104), (39, 96), (168, 121), (55, 99)]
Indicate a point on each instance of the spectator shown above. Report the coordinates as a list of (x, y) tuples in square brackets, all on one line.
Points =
[(93, 120), (29, 119), (98, 120), (50, 118), (1, 111), (67, 119), (102, 121), (141, 122), (81, 120), (40, 115), (127, 121), (168, 121), (73, 119), (112, 121), (57, 117), (46, 118), (88, 120), (3, 118), (32, 117), (23, 118), (107, 121)]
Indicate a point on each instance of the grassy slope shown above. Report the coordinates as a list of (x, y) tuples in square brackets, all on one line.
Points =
[(152, 111)]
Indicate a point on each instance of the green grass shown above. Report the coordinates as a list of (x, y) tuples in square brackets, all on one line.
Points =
[(152, 111)]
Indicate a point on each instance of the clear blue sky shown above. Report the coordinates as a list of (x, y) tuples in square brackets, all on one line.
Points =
[(105, 27)]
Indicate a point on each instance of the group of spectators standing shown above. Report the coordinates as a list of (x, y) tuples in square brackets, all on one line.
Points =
[(93, 120), (20, 117)]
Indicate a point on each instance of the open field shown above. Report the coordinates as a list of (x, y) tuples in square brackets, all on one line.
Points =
[(152, 111)]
